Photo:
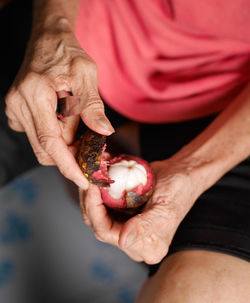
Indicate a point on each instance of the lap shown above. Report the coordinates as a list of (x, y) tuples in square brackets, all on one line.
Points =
[(198, 276)]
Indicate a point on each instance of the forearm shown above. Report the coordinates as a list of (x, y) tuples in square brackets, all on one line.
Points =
[(55, 14), (224, 144)]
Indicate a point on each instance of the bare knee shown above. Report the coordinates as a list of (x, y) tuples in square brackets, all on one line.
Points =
[(198, 276)]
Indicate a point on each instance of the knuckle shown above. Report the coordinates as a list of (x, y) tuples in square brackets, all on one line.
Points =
[(153, 259), (11, 100), (13, 120), (94, 101), (14, 125), (91, 67), (47, 143), (86, 220), (45, 162), (21, 87), (29, 78), (136, 259), (86, 65), (158, 251), (99, 235), (29, 82), (11, 124), (43, 158), (8, 112), (8, 98)]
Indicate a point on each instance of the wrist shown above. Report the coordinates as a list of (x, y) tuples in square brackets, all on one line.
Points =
[(202, 171), (53, 26), (192, 170), (206, 159), (221, 146), (55, 15)]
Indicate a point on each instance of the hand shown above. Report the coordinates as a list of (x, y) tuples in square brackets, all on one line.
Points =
[(147, 236), (55, 62)]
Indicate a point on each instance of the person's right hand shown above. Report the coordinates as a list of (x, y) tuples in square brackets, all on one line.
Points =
[(55, 62)]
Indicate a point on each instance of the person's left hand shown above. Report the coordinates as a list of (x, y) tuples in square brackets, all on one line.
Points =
[(146, 236)]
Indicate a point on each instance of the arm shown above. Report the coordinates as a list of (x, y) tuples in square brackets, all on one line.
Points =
[(181, 179), (224, 144), (54, 61), (185, 176)]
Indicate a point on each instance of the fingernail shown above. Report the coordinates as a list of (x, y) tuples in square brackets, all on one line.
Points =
[(131, 239), (105, 124)]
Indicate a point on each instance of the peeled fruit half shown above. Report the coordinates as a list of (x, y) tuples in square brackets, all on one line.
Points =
[(125, 181), (133, 182)]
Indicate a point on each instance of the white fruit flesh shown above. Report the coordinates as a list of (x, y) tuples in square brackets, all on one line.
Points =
[(127, 175)]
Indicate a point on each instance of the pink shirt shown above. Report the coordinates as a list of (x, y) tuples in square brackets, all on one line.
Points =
[(164, 63)]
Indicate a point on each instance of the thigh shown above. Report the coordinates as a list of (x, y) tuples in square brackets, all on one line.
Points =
[(195, 276)]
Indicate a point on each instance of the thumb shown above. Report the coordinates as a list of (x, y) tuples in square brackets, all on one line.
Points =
[(135, 229), (94, 117), (146, 236)]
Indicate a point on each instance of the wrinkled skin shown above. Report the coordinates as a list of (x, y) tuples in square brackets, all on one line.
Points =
[(55, 63), (156, 225)]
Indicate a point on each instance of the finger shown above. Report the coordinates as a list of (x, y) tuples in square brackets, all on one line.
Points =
[(15, 125), (63, 158), (15, 100), (84, 84), (69, 127), (62, 94), (105, 228), (94, 117), (50, 137), (82, 197), (146, 236), (92, 108), (13, 121), (29, 128)]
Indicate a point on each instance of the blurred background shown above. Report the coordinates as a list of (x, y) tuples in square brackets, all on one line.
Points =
[(47, 254)]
